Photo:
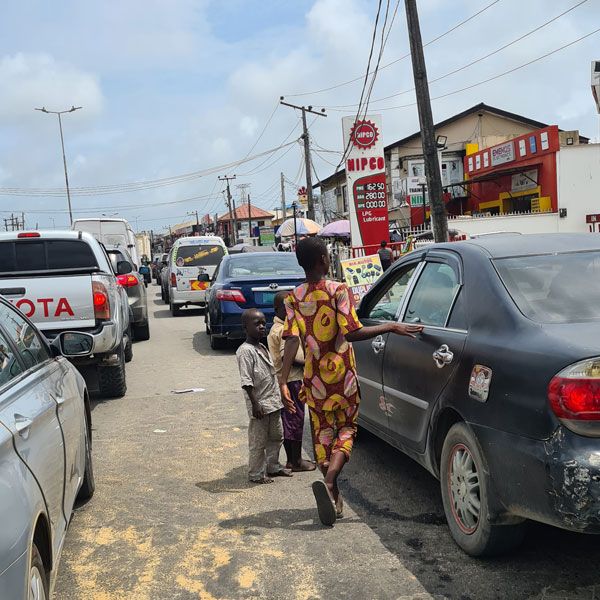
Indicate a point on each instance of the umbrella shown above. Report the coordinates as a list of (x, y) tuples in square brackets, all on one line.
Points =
[(336, 229), (303, 227)]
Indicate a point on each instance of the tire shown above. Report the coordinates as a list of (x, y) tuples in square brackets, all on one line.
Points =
[(218, 343), (174, 309), (129, 347), (141, 331), (38, 578), (88, 486), (463, 466), (206, 323), (112, 380)]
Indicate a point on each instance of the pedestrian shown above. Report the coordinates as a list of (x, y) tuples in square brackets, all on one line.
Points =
[(385, 255), (321, 316), (293, 422), (263, 400)]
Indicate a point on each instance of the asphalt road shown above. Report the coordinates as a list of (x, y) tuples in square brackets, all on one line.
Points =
[(173, 516)]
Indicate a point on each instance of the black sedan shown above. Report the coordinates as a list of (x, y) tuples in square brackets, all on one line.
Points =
[(499, 397), (248, 280)]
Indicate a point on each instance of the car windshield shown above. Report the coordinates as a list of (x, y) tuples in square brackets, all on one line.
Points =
[(197, 255), (556, 288), (261, 265)]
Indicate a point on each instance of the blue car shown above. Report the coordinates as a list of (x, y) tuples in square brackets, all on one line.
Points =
[(247, 281)]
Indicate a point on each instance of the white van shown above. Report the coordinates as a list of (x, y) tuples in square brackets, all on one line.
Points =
[(193, 262), (111, 232)]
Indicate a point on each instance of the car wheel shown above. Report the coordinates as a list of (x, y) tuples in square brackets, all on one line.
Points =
[(141, 331), (465, 494), (206, 323), (129, 346), (218, 343), (174, 309), (38, 580), (89, 483), (111, 380)]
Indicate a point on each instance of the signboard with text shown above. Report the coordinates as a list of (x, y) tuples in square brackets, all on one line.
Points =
[(365, 176), (360, 274)]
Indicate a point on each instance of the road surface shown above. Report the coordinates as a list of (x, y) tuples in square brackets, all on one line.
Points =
[(174, 517)]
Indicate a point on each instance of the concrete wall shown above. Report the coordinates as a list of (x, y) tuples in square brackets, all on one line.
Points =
[(578, 185), (531, 223)]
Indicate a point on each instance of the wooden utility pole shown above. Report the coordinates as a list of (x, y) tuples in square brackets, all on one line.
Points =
[(307, 161), (439, 219), (282, 197), (230, 203)]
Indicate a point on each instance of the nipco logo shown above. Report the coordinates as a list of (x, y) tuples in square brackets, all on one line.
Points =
[(364, 134)]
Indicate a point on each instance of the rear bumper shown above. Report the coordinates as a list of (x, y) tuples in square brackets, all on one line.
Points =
[(188, 297), (106, 338), (556, 481), (230, 325)]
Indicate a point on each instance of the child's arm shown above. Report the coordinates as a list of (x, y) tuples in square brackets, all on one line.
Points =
[(289, 354), (366, 333), (257, 411)]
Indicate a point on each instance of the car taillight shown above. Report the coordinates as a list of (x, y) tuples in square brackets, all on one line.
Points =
[(101, 302), (127, 280), (173, 280), (574, 394), (29, 234), (231, 296)]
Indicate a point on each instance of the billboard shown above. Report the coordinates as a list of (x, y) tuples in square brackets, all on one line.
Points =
[(366, 181)]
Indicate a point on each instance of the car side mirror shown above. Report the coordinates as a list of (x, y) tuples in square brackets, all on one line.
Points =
[(124, 267), (72, 343), (204, 277)]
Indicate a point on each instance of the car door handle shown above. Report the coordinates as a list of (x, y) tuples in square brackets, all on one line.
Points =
[(22, 425), (378, 344), (443, 356)]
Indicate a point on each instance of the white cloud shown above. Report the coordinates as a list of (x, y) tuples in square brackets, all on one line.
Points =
[(29, 81), (248, 126)]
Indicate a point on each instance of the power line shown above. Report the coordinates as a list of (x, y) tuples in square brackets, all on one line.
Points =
[(264, 129), (498, 76), (137, 186), (397, 60), (474, 62)]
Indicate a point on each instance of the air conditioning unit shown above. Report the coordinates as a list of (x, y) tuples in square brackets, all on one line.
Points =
[(596, 83)]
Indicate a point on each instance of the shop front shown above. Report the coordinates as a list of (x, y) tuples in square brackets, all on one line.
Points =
[(515, 177)]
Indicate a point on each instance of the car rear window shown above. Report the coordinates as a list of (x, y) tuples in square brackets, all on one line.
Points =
[(21, 256), (554, 288), (261, 265), (197, 255)]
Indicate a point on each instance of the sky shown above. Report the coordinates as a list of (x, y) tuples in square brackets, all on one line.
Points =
[(172, 87)]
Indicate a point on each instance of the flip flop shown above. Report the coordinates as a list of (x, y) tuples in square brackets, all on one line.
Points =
[(281, 473), (325, 504)]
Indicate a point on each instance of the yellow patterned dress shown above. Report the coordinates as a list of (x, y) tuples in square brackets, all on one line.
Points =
[(321, 314)]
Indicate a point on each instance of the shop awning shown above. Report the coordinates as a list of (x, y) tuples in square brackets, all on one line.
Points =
[(493, 175)]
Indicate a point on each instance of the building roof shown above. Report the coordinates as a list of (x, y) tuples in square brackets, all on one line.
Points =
[(481, 107), (241, 212)]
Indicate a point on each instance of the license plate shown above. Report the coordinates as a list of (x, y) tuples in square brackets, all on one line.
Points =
[(267, 297), (198, 285)]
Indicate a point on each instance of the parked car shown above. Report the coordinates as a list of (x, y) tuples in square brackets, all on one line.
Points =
[(193, 261), (63, 280), (499, 397), (158, 263), (45, 451), (134, 285), (247, 280)]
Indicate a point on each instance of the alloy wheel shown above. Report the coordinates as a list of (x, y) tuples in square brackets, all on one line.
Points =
[(36, 585), (463, 485)]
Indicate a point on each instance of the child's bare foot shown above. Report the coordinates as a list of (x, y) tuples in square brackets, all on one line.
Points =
[(262, 480), (339, 507), (304, 465)]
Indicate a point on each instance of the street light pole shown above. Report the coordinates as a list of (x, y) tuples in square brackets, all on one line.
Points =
[(58, 113), (294, 205)]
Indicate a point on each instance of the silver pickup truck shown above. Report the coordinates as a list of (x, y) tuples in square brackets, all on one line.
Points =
[(63, 280)]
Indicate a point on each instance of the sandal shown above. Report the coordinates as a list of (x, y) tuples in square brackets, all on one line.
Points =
[(281, 473), (325, 505), (261, 480)]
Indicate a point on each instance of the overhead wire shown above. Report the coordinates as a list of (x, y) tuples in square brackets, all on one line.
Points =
[(473, 62), (487, 80), (403, 57), (263, 130)]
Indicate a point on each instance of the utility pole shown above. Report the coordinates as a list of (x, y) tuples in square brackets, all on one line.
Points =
[(282, 197), (243, 187), (192, 213), (307, 160), (62, 143), (230, 202), (439, 219)]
